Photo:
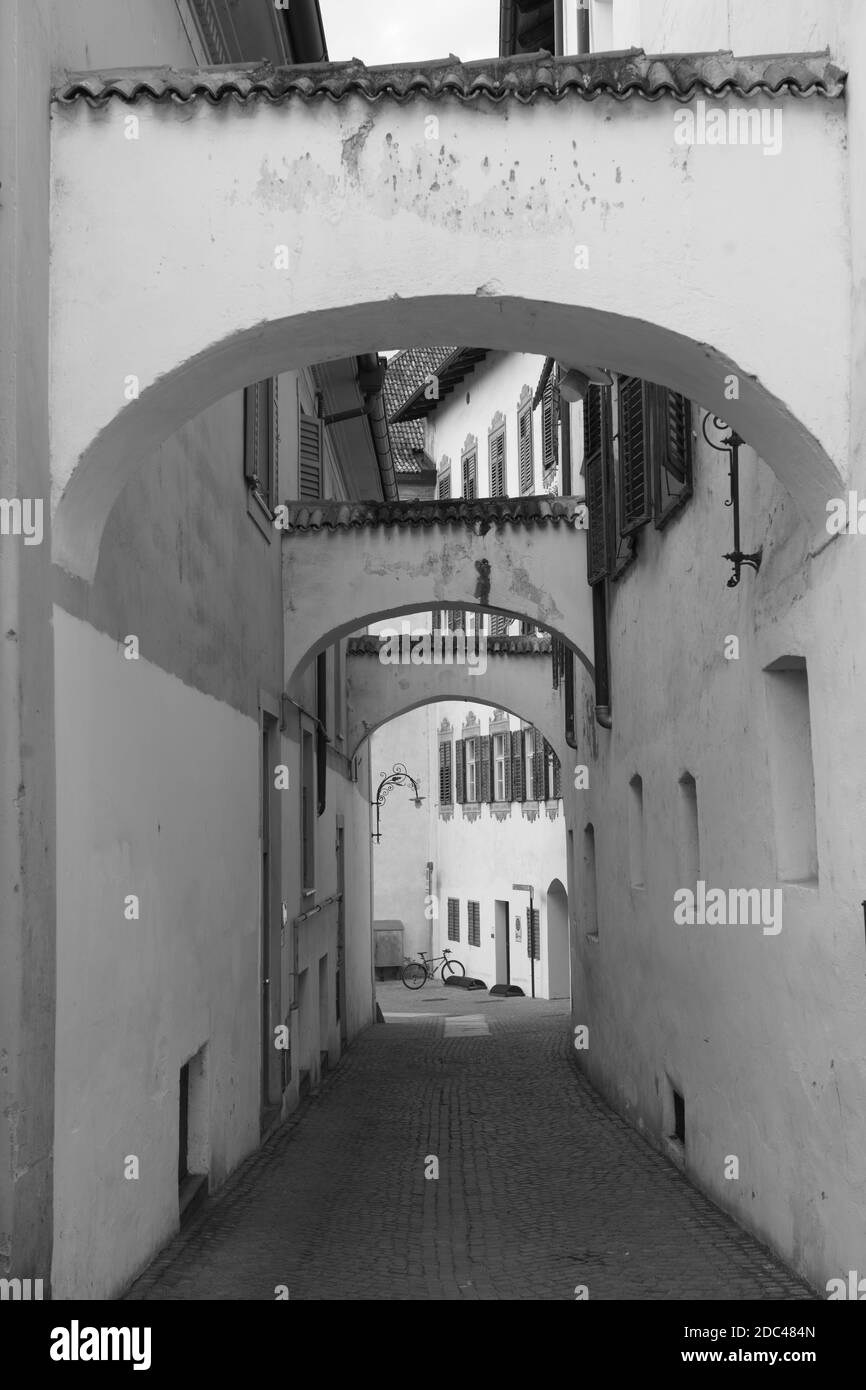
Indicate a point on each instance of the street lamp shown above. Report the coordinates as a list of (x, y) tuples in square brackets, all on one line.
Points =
[(530, 935), (398, 777)]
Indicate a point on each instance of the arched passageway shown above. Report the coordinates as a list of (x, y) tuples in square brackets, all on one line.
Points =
[(483, 204)]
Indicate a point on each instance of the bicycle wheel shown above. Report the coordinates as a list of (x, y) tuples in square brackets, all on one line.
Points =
[(452, 967), (414, 975)]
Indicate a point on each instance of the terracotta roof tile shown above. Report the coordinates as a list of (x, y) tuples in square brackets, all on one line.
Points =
[(479, 514), (524, 78)]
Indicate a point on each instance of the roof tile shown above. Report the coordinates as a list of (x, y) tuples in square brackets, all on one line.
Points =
[(523, 78), (479, 515)]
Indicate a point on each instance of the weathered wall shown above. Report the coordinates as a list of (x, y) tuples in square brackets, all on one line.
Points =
[(476, 244), (760, 1033), (408, 840)]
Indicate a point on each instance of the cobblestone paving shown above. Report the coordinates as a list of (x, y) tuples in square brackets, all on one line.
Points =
[(541, 1187)]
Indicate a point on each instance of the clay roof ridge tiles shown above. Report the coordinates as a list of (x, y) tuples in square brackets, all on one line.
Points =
[(621, 75), (499, 511), (369, 643)]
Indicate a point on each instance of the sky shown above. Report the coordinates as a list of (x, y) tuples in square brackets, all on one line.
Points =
[(388, 31)]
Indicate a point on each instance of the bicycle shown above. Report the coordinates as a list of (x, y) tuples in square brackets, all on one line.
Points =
[(417, 973)]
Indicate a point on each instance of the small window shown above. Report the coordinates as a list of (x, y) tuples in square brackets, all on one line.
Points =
[(443, 487), (500, 768), (792, 770), (690, 844), (471, 746), (636, 831), (453, 919), (590, 884), (473, 911)]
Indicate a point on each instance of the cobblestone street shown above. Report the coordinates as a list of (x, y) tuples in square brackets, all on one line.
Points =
[(541, 1187)]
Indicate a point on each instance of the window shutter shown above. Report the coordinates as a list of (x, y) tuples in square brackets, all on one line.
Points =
[(517, 792), (524, 449), (460, 770), (309, 458), (497, 463), (550, 422), (557, 777), (635, 500), (444, 484), (485, 749), (259, 434), (596, 450), (453, 919), (538, 766), (445, 794), (508, 761), (533, 933), (469, 475)]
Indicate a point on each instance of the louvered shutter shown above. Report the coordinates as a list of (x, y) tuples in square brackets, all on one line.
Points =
[(533, 933), (469, 475), (507, 759), (484, 751), (517, 793), (444, 485), (459, 770), (635, 497), (497, 464), (524, 449), (538, 766), (557, 777), (258, 434), (445, 793), (309, 458), (596, 446), (550, 422)]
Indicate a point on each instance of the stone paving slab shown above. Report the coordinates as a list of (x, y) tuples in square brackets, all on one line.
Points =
[(541, 1187)]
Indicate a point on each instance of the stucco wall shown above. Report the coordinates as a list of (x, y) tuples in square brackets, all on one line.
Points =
[(760, 1033)]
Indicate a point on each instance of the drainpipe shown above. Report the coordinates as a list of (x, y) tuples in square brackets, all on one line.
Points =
[(506, 29), (602, 669), (369, 362), (583, 30)]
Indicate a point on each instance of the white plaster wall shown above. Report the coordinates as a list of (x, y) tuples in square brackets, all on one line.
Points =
[(408, 834), (760, 1033), (157, 789), (773, 26)]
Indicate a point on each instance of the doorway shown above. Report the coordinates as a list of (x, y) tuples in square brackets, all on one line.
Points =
[(503, 942), (558, 953)]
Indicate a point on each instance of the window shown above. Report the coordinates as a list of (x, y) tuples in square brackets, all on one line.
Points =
[(672, 453), (471, 745), (496, 445), (443, 487), (446, 792), (517, 782), (526, 465), (529, 753), (636, 832), (596, 455), (690, 845), (679, 1108), (453, 919), (473, 911), (590, 898), (792, 773), (498, 625), (552, 774), (550, 422), (470, 465), (309, 458), (260, 445), (533, 933), (500, 768)]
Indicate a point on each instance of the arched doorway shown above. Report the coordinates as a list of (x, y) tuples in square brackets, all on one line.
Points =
[(558, 954)]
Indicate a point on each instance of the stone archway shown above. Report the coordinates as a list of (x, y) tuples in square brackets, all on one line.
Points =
[(209, 229)]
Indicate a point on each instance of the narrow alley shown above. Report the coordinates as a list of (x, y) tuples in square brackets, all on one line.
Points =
[(541, 1187)]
